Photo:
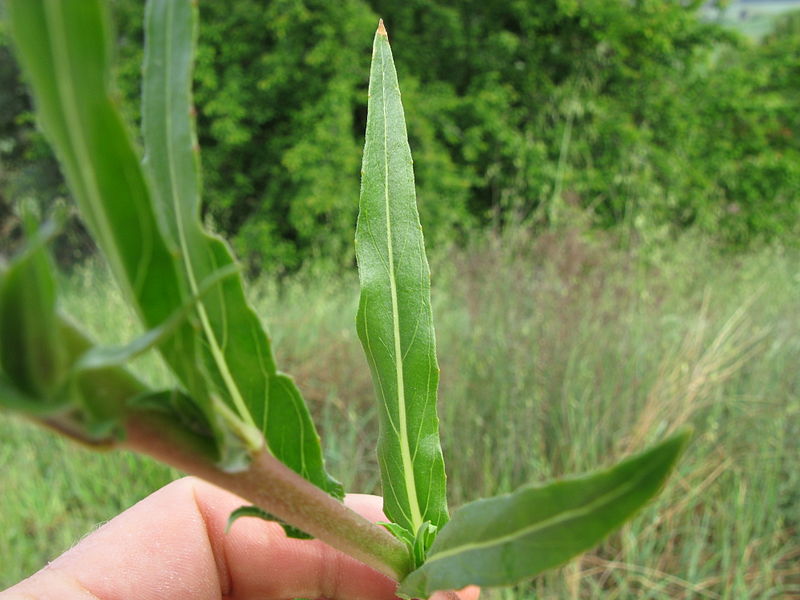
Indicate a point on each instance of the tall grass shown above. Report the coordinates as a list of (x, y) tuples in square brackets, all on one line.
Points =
[(558, 354)]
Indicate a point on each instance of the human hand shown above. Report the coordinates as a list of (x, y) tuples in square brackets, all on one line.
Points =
[(173, 545)]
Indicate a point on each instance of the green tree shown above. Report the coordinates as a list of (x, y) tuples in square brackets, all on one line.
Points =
[(637, 114), (555, 96)]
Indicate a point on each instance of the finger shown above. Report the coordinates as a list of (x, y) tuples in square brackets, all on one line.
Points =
[(306, 569), (173, 545)]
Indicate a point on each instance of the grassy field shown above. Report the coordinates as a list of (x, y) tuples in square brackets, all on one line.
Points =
[(558, 355)]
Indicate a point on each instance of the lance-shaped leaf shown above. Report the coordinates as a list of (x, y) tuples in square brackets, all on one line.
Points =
[(503, 540), (394, 316), (235, 347), (38, 347)]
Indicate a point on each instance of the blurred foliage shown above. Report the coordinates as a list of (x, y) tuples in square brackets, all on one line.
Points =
[(635, 115)]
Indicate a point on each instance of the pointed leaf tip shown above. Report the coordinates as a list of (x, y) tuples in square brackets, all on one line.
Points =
[(381, 28)]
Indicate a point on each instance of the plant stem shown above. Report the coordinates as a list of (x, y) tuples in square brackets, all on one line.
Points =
[(267, 482), (277, 489)]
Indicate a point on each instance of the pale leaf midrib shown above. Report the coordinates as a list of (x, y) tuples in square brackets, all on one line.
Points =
[(405, 451)]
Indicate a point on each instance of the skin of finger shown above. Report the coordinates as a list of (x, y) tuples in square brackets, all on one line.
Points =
[(173, 544)]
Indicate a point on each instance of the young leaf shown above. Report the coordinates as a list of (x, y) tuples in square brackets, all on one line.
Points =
[(394, 316), (418, 545), (30, 352), (38, 347), (502, 540)]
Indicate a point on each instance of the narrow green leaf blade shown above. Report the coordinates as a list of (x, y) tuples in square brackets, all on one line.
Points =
[(236, 350), (503, 540), (394, 319), (31, 354)]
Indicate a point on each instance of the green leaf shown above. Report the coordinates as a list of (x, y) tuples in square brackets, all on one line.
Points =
[(394, 316), (31, 354), (236, 350), (401, 533), (254, 511), (419, 544), (97, 399), (503, 540), (38, 347), (422, 542)]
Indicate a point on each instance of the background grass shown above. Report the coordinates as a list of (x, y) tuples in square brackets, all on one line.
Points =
[(559, 354)]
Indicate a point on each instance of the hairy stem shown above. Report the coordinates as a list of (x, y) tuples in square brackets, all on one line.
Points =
[(272, 486)]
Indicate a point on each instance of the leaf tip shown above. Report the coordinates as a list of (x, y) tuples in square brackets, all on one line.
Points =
[(382, 29)]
